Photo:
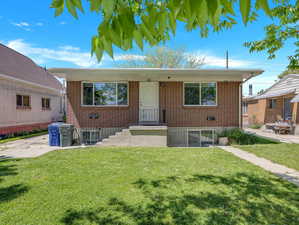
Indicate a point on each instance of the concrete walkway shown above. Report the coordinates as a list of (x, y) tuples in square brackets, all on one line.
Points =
[(29, 148), (284, 172), (285, 138)]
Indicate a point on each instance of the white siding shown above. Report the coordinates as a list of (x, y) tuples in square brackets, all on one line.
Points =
[(10, 116)]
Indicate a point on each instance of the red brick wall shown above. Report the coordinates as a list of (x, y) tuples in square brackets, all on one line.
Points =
[(272, 115), (259, 111), (108, 116), (256, 111), (226, 112), (22, 128)]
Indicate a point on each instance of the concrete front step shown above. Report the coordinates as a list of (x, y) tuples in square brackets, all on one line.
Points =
[(152, 136)]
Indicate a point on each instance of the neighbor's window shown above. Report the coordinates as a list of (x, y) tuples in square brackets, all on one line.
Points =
[(46, 103), (200, 94), (23, 101), (105, 94), (272, 103)]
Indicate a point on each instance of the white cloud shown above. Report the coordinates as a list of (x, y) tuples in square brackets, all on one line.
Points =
[(22, 25), (123, 57), (215, 61), (65, 53), (221, 62), (62, 23), (69, 48), (82, 59), (39, 24)]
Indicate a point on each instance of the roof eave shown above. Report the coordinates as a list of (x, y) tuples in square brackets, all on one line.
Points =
[(29, 83), (243, 74)]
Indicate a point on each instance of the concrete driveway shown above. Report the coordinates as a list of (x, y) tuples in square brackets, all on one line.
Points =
[(29, 148)]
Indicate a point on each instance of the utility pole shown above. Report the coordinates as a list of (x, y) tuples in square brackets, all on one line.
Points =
[(226, 59)]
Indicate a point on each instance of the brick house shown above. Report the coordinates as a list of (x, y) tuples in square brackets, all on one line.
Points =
[(191, 104), (279, 102), (30, 96)]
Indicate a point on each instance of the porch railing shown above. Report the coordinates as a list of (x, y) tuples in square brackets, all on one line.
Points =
[(149, 115)]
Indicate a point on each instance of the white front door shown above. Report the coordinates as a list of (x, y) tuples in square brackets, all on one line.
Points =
[(149, 102)]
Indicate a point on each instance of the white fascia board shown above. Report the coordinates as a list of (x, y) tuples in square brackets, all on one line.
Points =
[(28, 83)]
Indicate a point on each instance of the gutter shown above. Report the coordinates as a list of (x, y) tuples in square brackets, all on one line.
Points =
[(241, 99), (29, 83)]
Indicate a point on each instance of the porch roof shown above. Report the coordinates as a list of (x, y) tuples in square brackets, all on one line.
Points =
[(155, 74)]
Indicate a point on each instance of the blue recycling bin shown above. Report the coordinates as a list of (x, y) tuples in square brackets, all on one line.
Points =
[(54, 135)]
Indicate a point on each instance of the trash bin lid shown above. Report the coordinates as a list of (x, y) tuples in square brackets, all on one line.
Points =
[(66, 125), (58, 124)]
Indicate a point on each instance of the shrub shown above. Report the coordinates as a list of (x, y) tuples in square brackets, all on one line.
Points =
[(238, 136), (255, 126)]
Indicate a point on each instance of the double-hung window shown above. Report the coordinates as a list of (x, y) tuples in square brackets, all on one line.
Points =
[(23, 101), (200, 94), (105, 93), (46, 104)]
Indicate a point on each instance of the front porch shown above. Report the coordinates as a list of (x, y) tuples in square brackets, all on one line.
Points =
[(138, 136)]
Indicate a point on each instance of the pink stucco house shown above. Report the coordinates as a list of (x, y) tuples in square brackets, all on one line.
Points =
[(30, 97)]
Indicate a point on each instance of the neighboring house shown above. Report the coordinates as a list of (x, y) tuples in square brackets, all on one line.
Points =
[(30, 96), (279, 102), (191, 104)]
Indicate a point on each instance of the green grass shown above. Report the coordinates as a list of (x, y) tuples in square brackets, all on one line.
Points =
[(285, 154), (23, 137), (255, 126), (143, 186)]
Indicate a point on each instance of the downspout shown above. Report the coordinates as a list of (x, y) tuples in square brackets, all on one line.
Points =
[(241, 101), (240, 106)]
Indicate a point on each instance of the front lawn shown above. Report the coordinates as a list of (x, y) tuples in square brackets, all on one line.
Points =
[(143, 186), (285, 154)]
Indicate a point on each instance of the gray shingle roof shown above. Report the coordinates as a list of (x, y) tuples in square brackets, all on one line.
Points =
[(16, 65)]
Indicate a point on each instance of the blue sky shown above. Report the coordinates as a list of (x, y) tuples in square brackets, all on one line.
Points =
[(31, 28)]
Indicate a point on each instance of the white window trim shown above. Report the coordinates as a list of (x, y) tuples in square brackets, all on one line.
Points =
[(200, 94), (93, 83), (200, 130)]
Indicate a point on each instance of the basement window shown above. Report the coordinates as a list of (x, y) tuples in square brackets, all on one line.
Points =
[(201, 138)]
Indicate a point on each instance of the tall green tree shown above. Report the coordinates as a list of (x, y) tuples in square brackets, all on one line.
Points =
[(285, 27), (163, 57), (289, 71), (154, 21)]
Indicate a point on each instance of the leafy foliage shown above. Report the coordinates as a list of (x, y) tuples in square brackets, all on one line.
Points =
[(163, 57), (285, 27), (154, 21), (238, 136), (289, 71), (255, 126)]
